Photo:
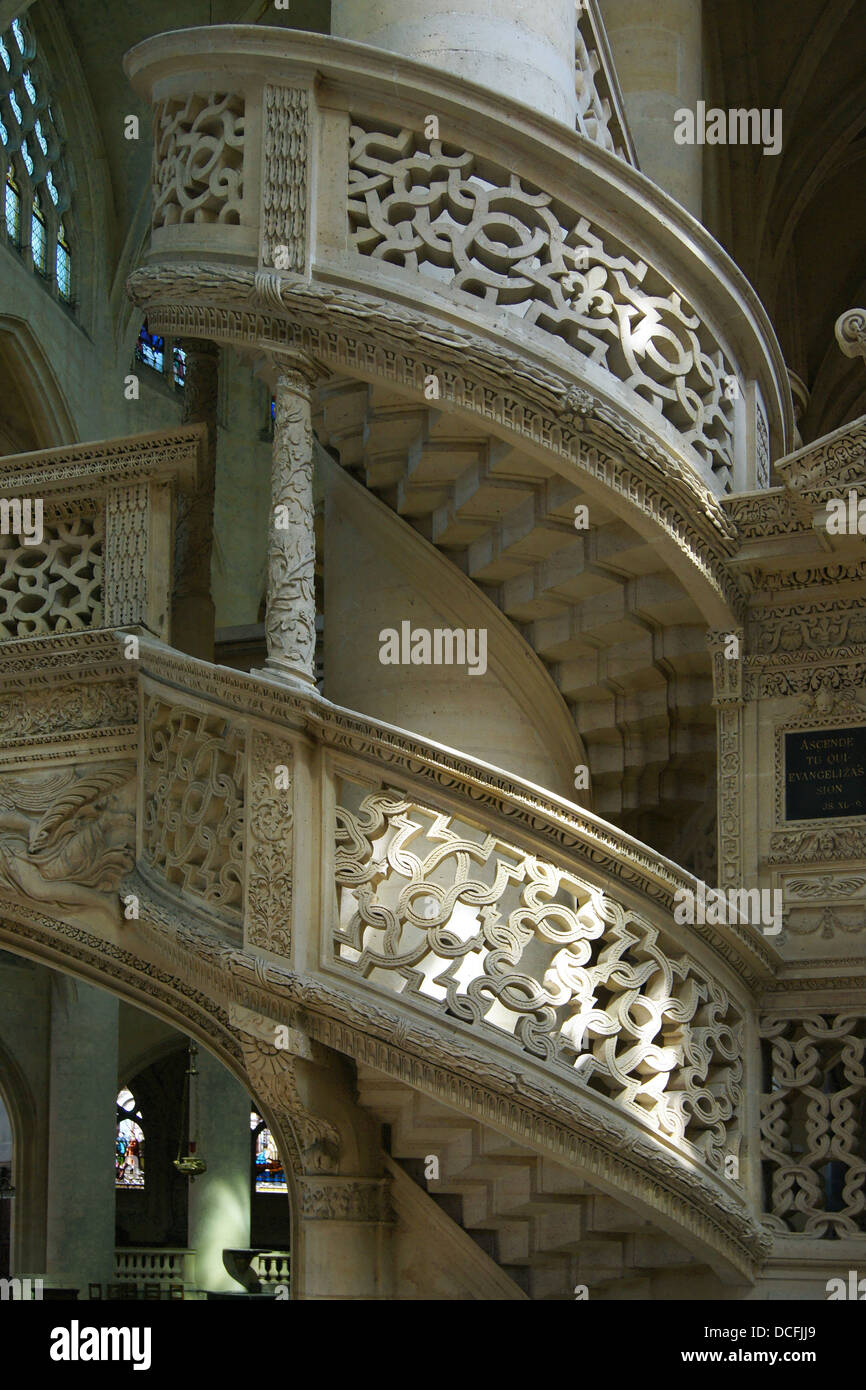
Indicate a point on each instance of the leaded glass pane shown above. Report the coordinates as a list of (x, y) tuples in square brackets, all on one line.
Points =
[(13, 211)]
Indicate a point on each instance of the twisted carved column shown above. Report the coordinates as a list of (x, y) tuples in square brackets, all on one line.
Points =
[(290, 621), (192, 606)]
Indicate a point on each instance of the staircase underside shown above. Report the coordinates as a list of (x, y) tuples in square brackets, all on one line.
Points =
[(621, 637), (545, 1227)]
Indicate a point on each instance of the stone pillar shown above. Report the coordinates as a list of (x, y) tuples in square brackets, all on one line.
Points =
[(192, 607), (344, 1246), (219, 1200), (521, 50), (658, 52), (82, 1126), (290, 621)]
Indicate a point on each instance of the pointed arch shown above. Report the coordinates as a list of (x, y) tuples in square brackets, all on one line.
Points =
[(34, 413)]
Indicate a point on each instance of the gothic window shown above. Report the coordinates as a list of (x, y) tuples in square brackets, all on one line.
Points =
[(36, 185), (63, 264), (37, 236), (13, 209), (129, 1143), (178, 360), (267, 1168)]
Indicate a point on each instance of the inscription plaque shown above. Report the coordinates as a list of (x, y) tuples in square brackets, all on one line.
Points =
[(825, 774)]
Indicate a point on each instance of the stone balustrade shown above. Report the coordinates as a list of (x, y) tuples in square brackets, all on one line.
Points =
[(163, 1266), (469, 909), (86, 535), (304, 187)]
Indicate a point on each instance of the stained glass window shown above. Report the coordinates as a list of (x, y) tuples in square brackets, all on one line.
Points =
[(178, 362), (129, 1143), (38, 197), (150, 350), (64, 265), (269, 1172), (37, 237), (13, 210)]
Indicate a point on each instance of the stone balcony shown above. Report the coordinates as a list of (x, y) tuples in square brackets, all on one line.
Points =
[(309, 191)]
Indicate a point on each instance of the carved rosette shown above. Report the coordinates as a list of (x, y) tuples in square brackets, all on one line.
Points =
[(290, 622)]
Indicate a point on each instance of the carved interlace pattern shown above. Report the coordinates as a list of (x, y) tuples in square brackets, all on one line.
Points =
[(480, 930), (483, 230), (813, 1124), (597, 117), (55, 586), (269, 899), (198, 159), (194, 804)]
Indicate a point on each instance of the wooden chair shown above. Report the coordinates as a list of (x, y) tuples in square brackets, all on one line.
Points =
[(175, 1291), (152, 1293), (94, 1291)]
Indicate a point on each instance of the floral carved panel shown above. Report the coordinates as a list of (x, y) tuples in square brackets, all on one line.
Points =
[(271, 840)]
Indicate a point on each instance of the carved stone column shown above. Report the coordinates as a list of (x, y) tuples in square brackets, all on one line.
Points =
[(192, 607), (290, 621)]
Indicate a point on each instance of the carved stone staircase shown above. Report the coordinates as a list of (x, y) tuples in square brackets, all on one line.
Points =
[(624, 641), (545, 1227)]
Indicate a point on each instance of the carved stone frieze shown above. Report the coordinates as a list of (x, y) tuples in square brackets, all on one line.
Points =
[(816, 843), (70, 708), (346, 1199)]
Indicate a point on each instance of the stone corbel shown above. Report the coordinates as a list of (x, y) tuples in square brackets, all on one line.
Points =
[(272, 1053), (851, 333)]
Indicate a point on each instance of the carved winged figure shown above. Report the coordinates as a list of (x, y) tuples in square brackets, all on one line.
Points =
[(67, 836)]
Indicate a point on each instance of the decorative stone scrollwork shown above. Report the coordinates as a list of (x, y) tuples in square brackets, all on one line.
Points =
[(269, 894), (813, 1124), (193, 825), (851, 333), (458, 218), (198, 159), (470, 926), (273, 1080), (56, 585)]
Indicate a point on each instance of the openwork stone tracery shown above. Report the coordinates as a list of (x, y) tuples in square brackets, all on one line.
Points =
[(470, 926), (813, 1124), (446, 213)]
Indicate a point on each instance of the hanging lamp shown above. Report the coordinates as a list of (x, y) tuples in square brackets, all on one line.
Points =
[(190, 1164)]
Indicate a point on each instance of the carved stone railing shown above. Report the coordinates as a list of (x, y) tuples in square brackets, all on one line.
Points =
[(600, 107), (468, 914), (87, 535), (329, 174)]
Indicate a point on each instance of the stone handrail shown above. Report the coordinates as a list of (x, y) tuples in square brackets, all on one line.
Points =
[(468, 909), (86, 534), (314, 162)]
